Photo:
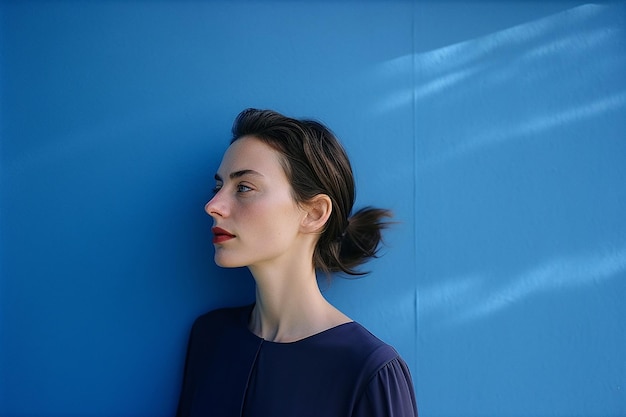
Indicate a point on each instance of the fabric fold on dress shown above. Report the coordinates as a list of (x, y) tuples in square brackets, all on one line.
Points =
[(387, 392)]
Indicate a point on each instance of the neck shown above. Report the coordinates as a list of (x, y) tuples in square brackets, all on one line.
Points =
[(289, 305)]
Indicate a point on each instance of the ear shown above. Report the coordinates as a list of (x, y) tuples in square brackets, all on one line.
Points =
[(317, 213)]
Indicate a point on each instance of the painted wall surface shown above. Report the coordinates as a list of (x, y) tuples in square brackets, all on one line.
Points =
[(494, 130), (520, 217)]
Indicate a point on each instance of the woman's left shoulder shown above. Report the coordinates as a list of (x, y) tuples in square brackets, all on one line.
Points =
[(363, 346)]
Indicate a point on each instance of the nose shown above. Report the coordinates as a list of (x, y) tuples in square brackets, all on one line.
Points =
[(216, 207)]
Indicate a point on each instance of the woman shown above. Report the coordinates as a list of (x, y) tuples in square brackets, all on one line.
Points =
[(284, 192)]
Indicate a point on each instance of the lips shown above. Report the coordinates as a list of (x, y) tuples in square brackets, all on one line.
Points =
[(220, 235)]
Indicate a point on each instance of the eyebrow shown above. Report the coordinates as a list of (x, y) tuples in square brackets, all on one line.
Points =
[(240, 173)]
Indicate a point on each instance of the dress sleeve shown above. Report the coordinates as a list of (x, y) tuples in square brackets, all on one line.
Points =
[(389, 393)]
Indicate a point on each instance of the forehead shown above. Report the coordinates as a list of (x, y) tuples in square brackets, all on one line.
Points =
[(250, 153)]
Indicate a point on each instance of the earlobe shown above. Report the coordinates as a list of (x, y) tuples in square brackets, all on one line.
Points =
[(318, 211)]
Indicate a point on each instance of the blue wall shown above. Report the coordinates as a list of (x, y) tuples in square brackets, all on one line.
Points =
[(495, 131)]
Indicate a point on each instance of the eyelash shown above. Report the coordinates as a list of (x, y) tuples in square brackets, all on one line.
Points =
[(217, 188)]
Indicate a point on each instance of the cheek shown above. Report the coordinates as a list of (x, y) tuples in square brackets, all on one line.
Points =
[(250, 209), (253, 219), (271, 217)]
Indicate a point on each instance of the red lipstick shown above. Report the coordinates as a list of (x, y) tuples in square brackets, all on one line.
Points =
[(220, 235)]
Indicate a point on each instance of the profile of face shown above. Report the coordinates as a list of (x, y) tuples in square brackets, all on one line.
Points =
[(256, 220)]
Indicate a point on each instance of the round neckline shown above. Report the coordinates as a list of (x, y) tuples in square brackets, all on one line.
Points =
[(246, 321)]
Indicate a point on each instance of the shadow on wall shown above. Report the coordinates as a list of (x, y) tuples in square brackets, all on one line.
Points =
[(519, 55), (475, 298)]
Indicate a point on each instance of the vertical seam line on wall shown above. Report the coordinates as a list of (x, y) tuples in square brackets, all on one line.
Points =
[(415, 236)]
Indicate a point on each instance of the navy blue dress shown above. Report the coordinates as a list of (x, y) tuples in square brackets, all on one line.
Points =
[(344, 371)]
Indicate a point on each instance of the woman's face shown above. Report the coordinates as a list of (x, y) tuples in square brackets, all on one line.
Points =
[(255, 218)]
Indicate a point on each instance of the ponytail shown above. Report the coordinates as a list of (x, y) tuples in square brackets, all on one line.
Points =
[(358, 243)]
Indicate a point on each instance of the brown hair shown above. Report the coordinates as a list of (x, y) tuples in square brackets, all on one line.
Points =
[(316, 163)]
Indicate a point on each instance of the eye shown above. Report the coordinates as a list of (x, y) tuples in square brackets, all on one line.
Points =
[(241, 188), (216, 188)]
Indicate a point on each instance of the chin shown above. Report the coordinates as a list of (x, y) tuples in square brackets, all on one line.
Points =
[(226, 263)]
